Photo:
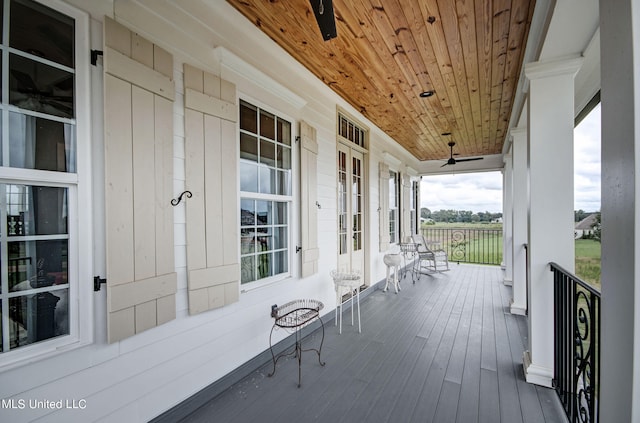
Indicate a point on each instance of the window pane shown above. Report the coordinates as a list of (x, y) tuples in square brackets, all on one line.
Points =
[(248, 147), (37, 143), (263, 213), (264, 239), (248, 265), (247, 213), (267, 153), (43, 32), (39, 87), (247, 241), (280, 239), (34, 210), (280, 214), (264, 264), (280, 262), (284, 157), (248, 177), (267, 125), (248, 117), (37, 264), (267, 180), (284, 132), (37, 317), (284, 182)]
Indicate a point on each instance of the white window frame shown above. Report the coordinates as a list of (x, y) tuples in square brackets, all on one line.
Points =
[(398, 206), (80, 219), (291, 200)]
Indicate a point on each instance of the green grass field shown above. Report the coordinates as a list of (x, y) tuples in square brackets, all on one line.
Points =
[(588, 261), (479, 245)]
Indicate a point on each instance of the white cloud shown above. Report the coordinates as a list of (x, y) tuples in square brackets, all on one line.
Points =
[(481, 192), (586, 163), (478, 192)]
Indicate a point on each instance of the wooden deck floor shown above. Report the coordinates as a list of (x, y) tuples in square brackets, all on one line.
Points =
[(445, 349)]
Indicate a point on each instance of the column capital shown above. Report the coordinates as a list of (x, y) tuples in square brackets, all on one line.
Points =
[(517, 131), (545, 69)]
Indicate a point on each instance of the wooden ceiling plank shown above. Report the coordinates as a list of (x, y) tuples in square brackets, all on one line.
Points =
[(379, 45), (392, 20), (438, 41), (450, 25), (521, 14), (386, 54), (501, 20), (467, 25), (484, 41), (445, 113)]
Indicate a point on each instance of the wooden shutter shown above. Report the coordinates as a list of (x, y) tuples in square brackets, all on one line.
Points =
[(405, 204), (211, 166), (138, 101), (384, 206), (309, 197)]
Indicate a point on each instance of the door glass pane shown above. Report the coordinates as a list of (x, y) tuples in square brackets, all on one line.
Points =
[(37, 143), (39, 87), (40, 31), (280, 262)]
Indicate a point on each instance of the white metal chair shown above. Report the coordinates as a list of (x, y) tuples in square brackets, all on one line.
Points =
[(349, 281), (431, 260)]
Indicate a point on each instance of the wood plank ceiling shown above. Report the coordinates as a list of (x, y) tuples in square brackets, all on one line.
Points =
[(388, 52)]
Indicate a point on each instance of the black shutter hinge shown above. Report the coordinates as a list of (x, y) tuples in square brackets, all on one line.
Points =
[(94, 56), (97, 283), (298, 249)]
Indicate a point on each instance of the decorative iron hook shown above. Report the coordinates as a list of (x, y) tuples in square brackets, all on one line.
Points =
[(177, 201)]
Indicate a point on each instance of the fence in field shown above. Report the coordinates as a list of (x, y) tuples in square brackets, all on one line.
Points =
[(480, 246)]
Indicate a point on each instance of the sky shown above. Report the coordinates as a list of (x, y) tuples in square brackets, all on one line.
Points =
[(482, 192)]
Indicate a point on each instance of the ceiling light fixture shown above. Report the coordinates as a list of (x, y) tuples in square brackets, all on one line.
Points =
[(323, 10), (426, 94)]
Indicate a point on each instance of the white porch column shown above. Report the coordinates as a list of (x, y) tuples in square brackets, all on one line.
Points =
[(551, 222), (519, 221), (620, 318), (507, 213)]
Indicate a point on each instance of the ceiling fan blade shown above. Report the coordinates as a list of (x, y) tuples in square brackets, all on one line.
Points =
[(444, 165), (469, 160)]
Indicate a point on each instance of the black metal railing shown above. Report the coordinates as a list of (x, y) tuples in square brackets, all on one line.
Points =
[(577, 345), (480, 246)]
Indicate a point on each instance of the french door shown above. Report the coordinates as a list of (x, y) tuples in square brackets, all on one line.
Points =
[(351, 209)]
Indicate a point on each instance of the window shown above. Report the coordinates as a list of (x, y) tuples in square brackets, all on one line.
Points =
[(394, 202), (413, 201), (351, 131), (38, 176), (265, 185)]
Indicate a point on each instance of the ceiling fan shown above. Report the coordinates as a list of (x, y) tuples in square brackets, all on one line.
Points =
[(453, 161)]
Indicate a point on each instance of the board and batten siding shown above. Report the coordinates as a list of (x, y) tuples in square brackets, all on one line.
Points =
[(211, 166), (139, 94), (309, 199)]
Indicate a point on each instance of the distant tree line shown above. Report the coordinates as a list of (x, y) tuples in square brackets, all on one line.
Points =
[(456, 216)]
